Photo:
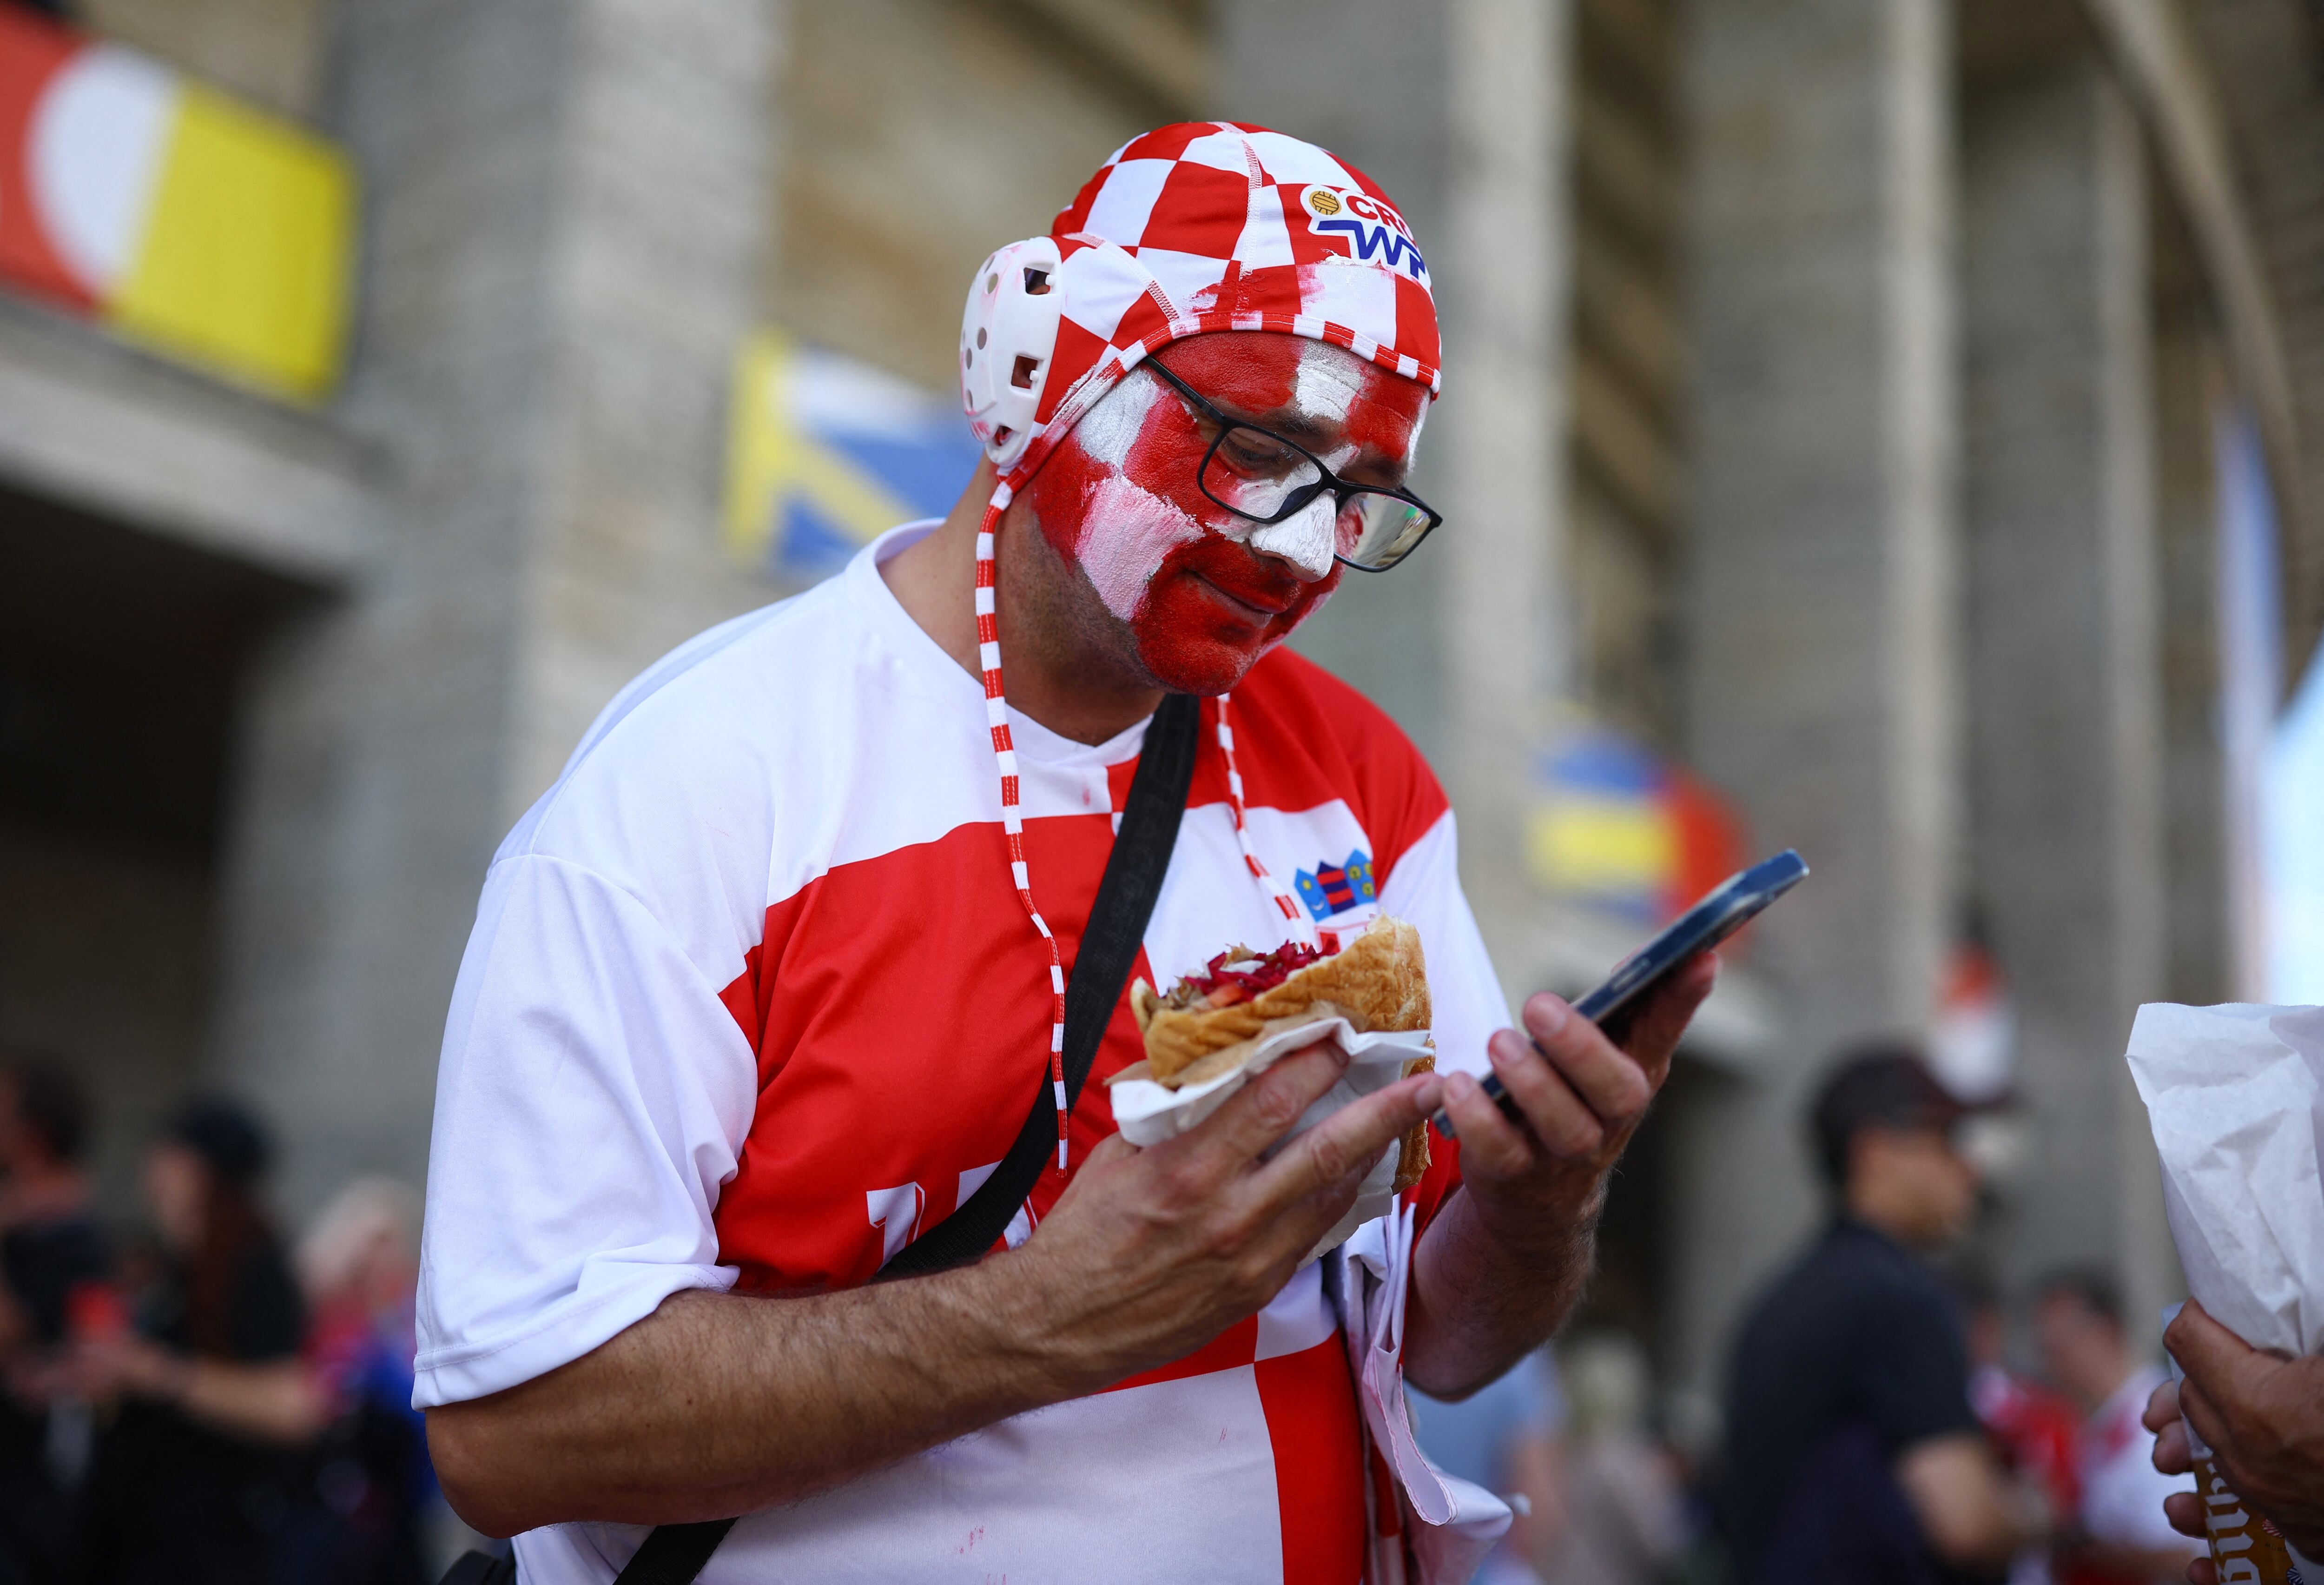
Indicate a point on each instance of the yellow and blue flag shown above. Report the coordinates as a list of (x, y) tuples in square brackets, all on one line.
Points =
[(825, 452), (1617, 827)]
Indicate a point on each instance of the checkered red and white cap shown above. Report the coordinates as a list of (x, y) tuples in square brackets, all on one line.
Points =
[(1217, 226)]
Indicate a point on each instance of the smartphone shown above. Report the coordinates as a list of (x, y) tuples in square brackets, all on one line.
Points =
[(1725, 909)]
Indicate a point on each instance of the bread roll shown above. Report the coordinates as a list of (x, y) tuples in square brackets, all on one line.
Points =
[(1377, 982)]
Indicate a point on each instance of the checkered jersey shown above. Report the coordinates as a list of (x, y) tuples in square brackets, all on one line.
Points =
[(746, 1005), (1216, 225)]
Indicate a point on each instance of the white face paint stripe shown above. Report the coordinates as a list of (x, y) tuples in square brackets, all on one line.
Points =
[(1111, 428), (1127, 531), (1305, 539), (1328, 383)]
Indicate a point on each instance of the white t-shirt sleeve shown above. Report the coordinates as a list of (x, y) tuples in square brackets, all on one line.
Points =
[(2123, 1493), (592, 1097), (1466, 999)]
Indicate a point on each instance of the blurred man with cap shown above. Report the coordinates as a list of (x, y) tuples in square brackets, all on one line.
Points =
[(1852, 1451)]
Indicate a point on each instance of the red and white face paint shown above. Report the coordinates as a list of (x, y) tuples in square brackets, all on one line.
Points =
[(1206, 592)]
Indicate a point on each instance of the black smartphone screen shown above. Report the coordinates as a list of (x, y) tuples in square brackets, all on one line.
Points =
[(1725, 909)]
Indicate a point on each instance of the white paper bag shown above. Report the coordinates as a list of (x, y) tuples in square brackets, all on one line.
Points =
[(2235, 1097), (1451, 1523), (1148, 1113)]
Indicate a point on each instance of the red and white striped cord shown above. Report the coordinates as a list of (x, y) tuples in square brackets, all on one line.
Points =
[(1013, 812), (1284, 903)]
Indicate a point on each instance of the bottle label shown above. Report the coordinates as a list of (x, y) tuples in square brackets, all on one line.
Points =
[(2246, 1549)]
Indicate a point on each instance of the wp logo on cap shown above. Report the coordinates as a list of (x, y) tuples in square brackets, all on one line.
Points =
[(1371, 226)]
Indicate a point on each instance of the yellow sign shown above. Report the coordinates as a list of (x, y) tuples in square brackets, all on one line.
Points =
[(180, 218)]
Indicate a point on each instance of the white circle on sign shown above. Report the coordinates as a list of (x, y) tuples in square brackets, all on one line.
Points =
[(97, 141)]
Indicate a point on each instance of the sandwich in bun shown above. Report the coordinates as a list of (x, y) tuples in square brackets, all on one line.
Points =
[(1210, 1023)]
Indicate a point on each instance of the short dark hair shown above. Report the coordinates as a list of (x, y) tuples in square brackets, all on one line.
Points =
[(2096, 1290), (1882, 1083), (231, 1141), (51, 1102)]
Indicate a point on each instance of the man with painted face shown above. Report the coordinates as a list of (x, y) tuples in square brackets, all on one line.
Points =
[(765, 986)]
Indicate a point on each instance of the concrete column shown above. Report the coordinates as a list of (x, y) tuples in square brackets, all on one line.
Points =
[(1819, 673), (1505, 291), (2189, 383), (1465, 643), (566, 211), (2065, 665)]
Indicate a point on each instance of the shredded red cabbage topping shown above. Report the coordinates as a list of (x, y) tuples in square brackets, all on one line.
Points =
[(1239, 974)]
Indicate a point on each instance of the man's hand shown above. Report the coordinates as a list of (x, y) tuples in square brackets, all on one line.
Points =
[(717, 1405), (1507, 1256), (2173, 1456), (2263, 1417), (1583, 1097), (1152, 1252)]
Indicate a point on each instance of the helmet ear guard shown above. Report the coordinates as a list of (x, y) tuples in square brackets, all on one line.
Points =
[(1007, 339)]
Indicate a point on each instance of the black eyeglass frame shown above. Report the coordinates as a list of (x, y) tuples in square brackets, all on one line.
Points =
[(1297, 500)]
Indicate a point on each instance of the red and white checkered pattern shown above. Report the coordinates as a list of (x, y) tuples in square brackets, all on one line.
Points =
[(1215, 226), (1195, 227)]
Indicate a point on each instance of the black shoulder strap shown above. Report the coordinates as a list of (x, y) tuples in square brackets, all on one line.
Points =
[(675, 1554), (1117, 923)]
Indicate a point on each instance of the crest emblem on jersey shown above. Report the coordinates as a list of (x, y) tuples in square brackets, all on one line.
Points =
[(1372, 230), (1330, 889)]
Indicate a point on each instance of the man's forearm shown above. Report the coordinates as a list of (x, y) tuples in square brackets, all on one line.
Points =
[(719, 1403), (1507, 1256), (1483, 1298)]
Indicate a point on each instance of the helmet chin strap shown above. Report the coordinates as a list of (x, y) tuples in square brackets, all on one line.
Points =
[(1013, 812)]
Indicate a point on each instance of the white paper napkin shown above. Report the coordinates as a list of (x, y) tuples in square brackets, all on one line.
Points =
[(1452, 1524), (1148, 1113)]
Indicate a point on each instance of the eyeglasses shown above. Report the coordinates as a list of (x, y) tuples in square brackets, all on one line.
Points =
[(1260, 476)]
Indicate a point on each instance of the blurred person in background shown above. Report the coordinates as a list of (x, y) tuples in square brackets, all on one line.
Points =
[(369, 1499), (2119, 1535), (1852, 1451), (53, 1257), (196, 1475), (1508, 1438), (1626, 1510), (2033, 1425)]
